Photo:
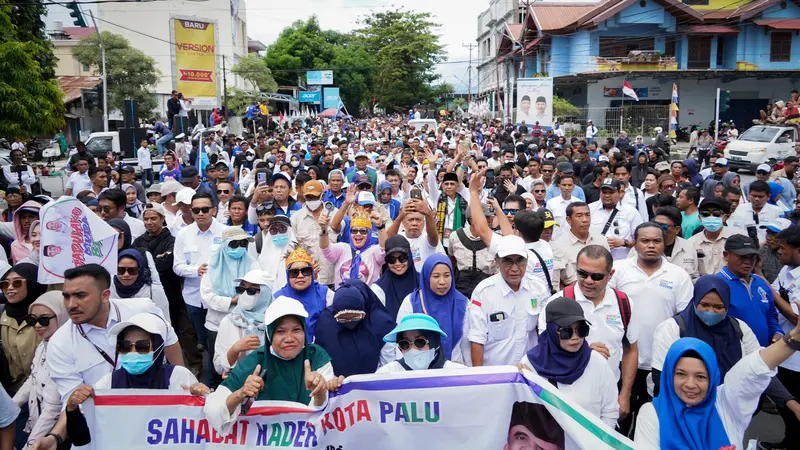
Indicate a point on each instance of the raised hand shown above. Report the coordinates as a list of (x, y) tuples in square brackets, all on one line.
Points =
[(248, 343), (253, 384), (314, 381)]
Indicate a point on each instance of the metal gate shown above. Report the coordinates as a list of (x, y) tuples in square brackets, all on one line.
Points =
[(633, 119)]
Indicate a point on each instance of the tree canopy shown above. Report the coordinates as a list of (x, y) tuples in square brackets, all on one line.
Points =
[(254, 69)]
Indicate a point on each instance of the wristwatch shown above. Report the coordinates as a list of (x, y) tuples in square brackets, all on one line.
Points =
[(382, 226), (793, 343)]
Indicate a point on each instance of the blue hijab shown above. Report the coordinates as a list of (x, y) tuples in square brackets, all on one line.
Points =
[(775, 191), (354, 347), (689, 428), (253, 317), (314, 299), (449, 309), (397, 287), (722, 337), (224, 269), (553, 362)]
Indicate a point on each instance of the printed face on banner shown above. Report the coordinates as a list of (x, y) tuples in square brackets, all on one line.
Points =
[(532, 427), (535, 101)]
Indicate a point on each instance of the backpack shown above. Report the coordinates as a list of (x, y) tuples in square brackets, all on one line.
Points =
[(624, 304), (682, 326), (468, 279)]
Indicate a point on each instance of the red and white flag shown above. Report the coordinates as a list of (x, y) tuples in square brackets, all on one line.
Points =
[(628, 90)]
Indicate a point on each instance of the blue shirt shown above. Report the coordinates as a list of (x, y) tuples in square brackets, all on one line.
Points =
[(288, 213), (250, 228), (174, 173), (393, 208), (252, 112), (337, 201), (753, 305), (553, 191)]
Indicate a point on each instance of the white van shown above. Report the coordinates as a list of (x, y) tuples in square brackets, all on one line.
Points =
[(761, 144), (418, 124)]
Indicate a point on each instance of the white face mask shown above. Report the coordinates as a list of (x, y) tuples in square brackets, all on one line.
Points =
[(247, 301), (314, 204), (294, 163), (250, 157)]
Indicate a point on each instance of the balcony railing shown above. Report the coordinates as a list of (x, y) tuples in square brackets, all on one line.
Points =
[(638, 60)]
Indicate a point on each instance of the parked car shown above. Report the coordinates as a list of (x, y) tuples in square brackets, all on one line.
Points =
[(761, 144)]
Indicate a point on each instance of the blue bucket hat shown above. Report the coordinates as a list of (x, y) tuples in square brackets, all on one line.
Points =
[(414, 322)]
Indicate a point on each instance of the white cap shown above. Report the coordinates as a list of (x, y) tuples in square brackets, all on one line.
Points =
[(147, 321), (366, 198), (155, 207), (511, 245), (776, 225), (721, 162), (283, 306), (361, 154), (550, 155), (603, 158), (184, 196), (170, 187), (236, 233), (255, 276), (764, 167)]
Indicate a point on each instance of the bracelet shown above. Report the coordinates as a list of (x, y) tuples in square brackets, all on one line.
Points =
[(59, 439)]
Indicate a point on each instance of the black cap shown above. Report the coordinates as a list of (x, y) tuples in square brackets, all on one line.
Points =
[(127, 169), (611, 183), (188, 172), (565, 167), (711, 203), (741, 245), (564, 312), (450, 176)]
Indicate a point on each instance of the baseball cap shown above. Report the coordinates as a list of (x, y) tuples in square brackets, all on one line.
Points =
[(281, 175), (611, 183), (366, 198), (154, 188), (187, 173), (127, 169), (155, 207), (662, 166), (184, 196), (720, 203), (170, 187), (236, 233), (603, 158), (550, 155), (312, 187), (149, 322), (741, 245), (764, 168), (565, 167), (722, 162), (549, 220), (361, 177), (564, 312), (361, 154), (511, 245), (776, 225)]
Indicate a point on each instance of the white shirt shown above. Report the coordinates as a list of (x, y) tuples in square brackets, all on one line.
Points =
[(461, 349), (595, 390), (507, 339), (657, 297), (607, 327), (143, 158), (737, 399), (622, 227), (558, 206), (181, 376), (177, 223), (534, 268), (630, 199), (74, 360), (789, 280), (421, 249), (16, 179), (591, 131), (192, 249), (79, 182), (153, 292), (229, 334), (743, 216)]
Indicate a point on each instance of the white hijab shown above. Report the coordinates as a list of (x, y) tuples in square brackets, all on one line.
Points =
[(273, 259)]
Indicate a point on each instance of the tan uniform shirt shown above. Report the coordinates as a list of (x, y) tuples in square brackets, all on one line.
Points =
[(712, 261), (565, 254), (19, 345), (307, 230), (484, 260)]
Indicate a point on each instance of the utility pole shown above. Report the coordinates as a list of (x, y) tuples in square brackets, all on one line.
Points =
[(469, 46), (224, 88), (105, 79)]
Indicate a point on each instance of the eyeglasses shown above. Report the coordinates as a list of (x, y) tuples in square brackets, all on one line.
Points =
[(510, 211), (508, 262), (223, 191), (240, 243), (305, 271), (668, 187), (131, 270), (566, 333), (106, 209), (141, 346), (250, 291), (16, 284), (41, 320), (401, 257), (419, 343), (361, 231), (201, 210), (278, 229), (715, 213), (595, 276)]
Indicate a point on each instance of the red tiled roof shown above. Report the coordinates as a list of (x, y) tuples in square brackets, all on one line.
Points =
[(779, 24), (78, 33), (709, 29), (72, 86), (555, 16), (516, 30)]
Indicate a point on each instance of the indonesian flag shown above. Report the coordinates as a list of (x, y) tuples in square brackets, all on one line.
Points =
[(628, 90)]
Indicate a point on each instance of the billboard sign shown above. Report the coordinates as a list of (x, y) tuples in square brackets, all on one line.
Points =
[(320, 77), (195, 61), (331, 98), (535, 101), (310, 96)]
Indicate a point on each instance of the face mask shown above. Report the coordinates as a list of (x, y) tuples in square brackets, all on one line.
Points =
[(419, 359), (280, 239), (250, 158), (708, 317), (314, 204), (275, 354), (247, 301), (136, 363), (235, 253), (712, 223), (294, 163)]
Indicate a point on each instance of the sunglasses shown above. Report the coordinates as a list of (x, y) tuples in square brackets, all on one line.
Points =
[(762, 172), (668, 187), (262, 209), (223, 191), (278, 229), (240, 243), (392, 259), (250, 291), (16, 284), (141, 346), (131, 270), (566, 333), (508, 262), (715, 213), (201, 210), (106, 209), (539, 191), (419, 343), (510, 211), (547, 171), (41, 320), (361, 231), (306, 271), (595, 276)]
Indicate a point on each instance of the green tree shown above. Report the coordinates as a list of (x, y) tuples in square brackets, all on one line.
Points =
[(302, 45), (254, 69), (30, 100), (131, 73), (405, 48), (562, 107)]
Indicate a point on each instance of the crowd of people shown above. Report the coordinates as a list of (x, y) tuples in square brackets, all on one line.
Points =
[(658, 295)]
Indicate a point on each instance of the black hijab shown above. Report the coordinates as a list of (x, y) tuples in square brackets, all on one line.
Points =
[(125, 228), (156, 377), (395, 287), (29, 272)]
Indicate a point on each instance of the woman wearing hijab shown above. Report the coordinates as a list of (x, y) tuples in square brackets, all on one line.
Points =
[(418, 338), (23, 219), (692, 172), (286, 368), (140, 345), (304, 287), (132, 204), (775, 193), (731, 180), (134, 280), (698, 409), (360, 259), (438, 297), (706, 318), (124, 240), (19, 339), (243, 330), (279, 242), (400, 276), (217, 286), (709, 188), (45, 315), (352, 330), (563, 357), (35, 238)]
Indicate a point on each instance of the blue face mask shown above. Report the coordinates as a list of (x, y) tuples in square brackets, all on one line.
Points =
[(710, 318), (419, 359), (712, 224), (136, 363), (280, 239), (235, 253)]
